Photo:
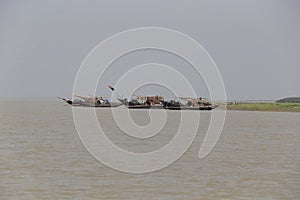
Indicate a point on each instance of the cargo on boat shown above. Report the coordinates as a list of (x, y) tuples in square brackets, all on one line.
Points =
[(158, 102), (188, 103), (90, 102), (143, 102)]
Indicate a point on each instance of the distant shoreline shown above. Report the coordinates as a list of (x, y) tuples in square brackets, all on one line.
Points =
[(271, 107)]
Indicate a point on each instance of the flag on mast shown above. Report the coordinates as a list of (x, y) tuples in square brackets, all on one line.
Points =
[(111, 87)]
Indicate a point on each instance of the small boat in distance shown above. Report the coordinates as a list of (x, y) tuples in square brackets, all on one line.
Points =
[(143, 102), (90, 102), (188, 103)]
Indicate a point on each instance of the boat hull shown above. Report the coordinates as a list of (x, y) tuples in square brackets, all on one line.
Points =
[(98, 105), (189, 108), (145, 107)]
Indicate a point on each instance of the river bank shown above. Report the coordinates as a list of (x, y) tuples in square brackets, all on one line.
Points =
[(272, 107)]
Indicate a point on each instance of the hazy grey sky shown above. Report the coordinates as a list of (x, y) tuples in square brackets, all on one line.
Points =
[(255, 44)]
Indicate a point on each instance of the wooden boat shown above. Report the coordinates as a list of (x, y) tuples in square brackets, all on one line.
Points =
[(143, 102), (187, 103), (90, 102)]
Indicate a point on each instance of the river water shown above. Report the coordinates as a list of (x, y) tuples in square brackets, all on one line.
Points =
[(42, 157)]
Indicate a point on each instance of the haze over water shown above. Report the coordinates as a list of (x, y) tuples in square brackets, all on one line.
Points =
[(41, 157)]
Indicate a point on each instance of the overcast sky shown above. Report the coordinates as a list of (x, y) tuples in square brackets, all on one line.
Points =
[(255, 44)]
